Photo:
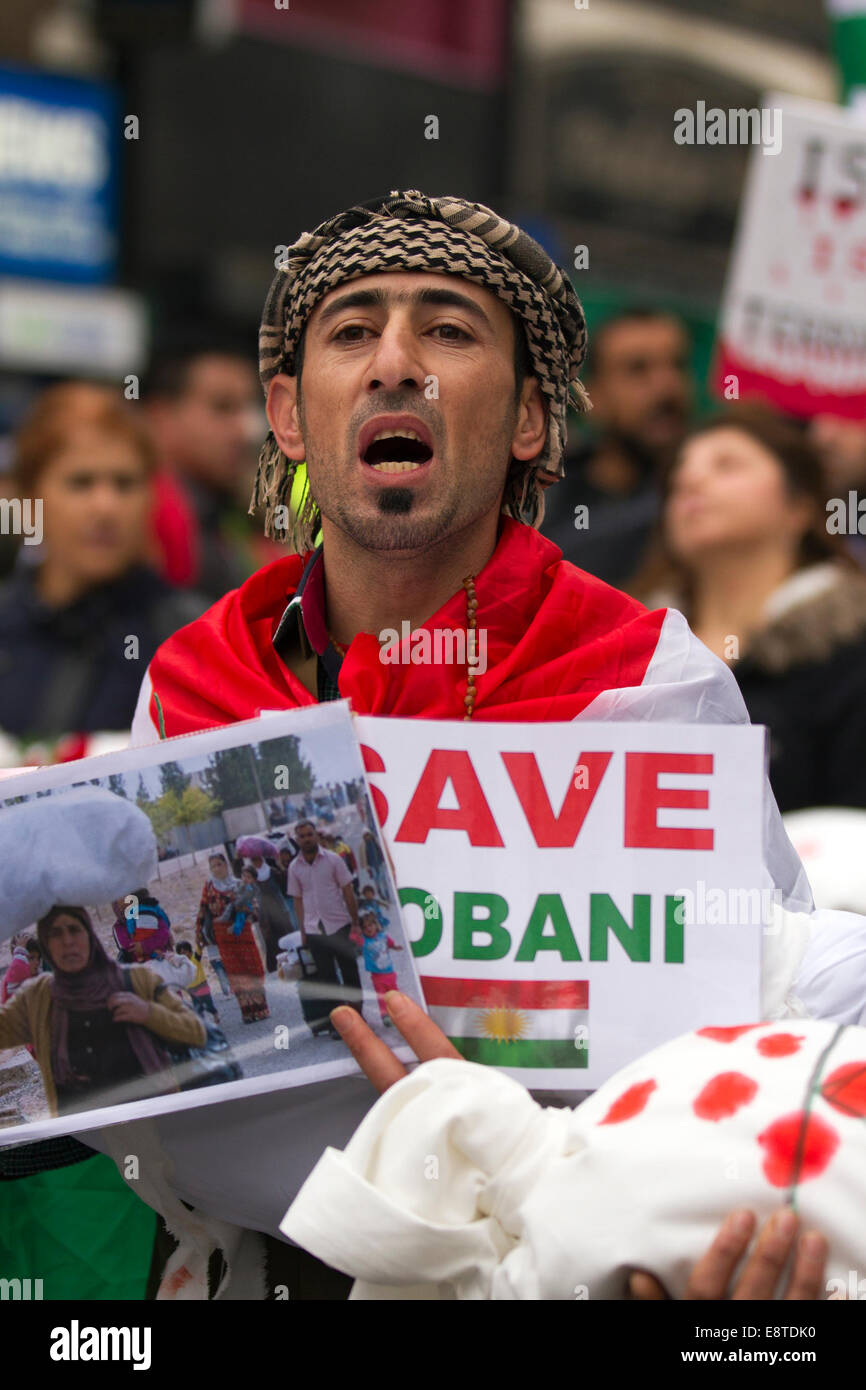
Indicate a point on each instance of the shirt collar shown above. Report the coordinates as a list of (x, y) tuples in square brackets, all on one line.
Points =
[(303, 622)]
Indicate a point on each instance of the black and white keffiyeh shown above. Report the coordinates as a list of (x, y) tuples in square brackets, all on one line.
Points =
[(410, 231)]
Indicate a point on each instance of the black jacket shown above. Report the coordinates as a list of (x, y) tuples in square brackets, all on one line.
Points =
[(804, 676), (611, 541), (74, 669)]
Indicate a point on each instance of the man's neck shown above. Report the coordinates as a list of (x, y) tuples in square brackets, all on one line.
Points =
[(372, 591)]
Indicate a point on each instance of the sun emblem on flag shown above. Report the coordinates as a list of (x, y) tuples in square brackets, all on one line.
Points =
[(502, 1024)]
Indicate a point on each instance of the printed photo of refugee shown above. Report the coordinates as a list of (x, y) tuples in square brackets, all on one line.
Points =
[(98, 1032), (214, 932)]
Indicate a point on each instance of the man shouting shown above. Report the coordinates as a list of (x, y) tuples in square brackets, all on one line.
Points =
[(419, 354)]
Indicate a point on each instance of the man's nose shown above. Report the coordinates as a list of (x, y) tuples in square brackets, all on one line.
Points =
[(396, 360)]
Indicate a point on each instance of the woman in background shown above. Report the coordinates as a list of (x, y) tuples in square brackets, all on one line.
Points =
[(80, 616), (746, 555), (83, 612)]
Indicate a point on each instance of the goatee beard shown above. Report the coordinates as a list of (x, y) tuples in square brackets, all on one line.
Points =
[(395, 501)]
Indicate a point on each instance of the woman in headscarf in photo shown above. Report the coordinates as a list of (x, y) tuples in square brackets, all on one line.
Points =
[(239, 953), (98, 1040)]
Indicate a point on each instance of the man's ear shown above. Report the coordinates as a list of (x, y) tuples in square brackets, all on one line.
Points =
[(282, 412), (530, 430)]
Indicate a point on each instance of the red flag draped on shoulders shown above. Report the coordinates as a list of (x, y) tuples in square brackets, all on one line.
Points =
[(555, 638)]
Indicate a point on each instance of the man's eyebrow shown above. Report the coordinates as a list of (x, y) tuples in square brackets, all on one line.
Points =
[(372, 299), (355, 299), (453, 298)]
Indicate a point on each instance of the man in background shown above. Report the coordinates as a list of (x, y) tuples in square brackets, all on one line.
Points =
[(602, 512), (203, 405)]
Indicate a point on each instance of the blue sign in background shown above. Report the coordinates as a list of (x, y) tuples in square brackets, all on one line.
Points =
[(58, 178)]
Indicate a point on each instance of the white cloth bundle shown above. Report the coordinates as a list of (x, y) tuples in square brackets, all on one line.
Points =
[(85, 846), (459, 1185), (175, 969)]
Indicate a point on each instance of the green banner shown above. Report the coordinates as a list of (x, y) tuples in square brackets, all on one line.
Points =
[(849, 47)]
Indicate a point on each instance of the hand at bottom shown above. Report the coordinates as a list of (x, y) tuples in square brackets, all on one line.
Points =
[(759, 1278)]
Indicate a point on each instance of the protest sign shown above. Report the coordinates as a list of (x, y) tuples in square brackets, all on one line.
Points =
[(793, 321), (576, 893), (174, 972)]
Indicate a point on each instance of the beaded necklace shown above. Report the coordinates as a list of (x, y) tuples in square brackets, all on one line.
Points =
[(471, 624)]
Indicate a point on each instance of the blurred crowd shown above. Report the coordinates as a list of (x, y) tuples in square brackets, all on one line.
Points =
[(143, 524), (732, 518), (735, 521)]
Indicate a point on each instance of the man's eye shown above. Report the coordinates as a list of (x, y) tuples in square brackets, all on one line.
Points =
[(352, 333), (451, 333)]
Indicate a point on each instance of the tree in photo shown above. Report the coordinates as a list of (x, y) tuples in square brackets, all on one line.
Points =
[(279, 753), (231, 778), (172, 778)]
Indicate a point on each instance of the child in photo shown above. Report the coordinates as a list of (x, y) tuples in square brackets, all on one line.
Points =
[(142, 930), (243, 907), (377, 946), (199, 989), (20, 967), (370, 903)]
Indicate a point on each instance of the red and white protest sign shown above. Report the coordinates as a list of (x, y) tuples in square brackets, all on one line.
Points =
[(793, 321), (575, 893)]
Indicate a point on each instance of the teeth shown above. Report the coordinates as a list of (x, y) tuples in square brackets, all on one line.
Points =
[(397, 434), (395, 466)]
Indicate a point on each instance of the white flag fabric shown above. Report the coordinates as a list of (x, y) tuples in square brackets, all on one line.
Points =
[(458, 1185)]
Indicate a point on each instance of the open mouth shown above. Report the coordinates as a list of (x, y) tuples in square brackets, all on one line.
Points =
[(397, 451)]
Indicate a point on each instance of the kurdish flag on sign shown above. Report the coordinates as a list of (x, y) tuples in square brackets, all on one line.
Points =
[(513, 1023)]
